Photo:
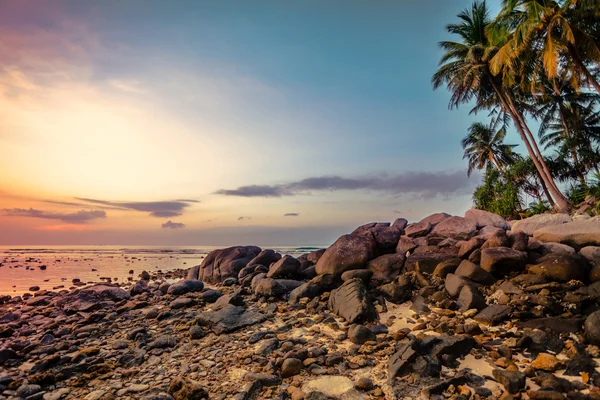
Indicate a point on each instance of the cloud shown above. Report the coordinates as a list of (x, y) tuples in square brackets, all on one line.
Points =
[(127, 86), (420, 184), (243, 218), (159, 209), (78, 217), (256, 191), (291, 214), (173, 225)]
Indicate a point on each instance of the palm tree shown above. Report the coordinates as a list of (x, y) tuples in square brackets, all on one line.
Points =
[(465, 71), (484, 147), (561, 34)]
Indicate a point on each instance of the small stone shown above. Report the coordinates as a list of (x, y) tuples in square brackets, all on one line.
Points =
[(291, 367), (546, 362)]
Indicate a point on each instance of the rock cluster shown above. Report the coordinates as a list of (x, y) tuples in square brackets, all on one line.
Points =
[(447, 307)]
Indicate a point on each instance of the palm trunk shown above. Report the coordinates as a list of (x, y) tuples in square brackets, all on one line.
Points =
[(550, 181), (581, 66), (560, 199), (573, 149), (548, 196)]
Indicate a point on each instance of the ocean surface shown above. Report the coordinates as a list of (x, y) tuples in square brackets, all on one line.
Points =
[(22, 267)]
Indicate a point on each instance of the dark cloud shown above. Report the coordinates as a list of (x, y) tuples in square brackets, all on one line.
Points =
[(78, 217), (257, 191), (173, 225), (420, 184), (68, 203), (243, 218), (291, 214), (189, 200), (159, 209)]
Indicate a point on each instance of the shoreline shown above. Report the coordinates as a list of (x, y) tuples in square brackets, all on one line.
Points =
[(458, 307)]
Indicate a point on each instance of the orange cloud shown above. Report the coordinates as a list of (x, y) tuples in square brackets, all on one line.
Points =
[(68, 227)]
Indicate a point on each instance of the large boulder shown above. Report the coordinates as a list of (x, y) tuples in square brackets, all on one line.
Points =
[(286, 267), (561, 267), (386, 236), (576, 234), (435, 219), (531, 224), (400, 223), (348, 252), (455, 227), (592, 328), (224, 263), (106, 292), (418, 229), (185, 286), (387, 267), (501, 260), (265, 257), (351, 302), (483, 218)]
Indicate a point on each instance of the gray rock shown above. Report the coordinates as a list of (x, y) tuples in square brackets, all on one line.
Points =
[(348, 252), (351, 301), (287, 267), (418, 229), (513, 381), (291, 367), (265, 257), (454, 284), (359, 334), (387, 267), (592, 328), (405, 244), (468, 270), (530, 225), (561, 267), (229, 318), (483, 218), (592, 254), (185, 286), (501, 260), (455, 227), (275, 287), (363, 274), (225, 263), (163, 342), (400, 223), (470, 298), (493, 314), (28, 390)]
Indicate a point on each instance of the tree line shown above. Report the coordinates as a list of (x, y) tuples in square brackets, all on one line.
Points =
[(537, 60)]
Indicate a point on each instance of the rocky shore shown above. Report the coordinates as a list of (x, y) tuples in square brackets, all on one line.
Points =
[(448, 307)]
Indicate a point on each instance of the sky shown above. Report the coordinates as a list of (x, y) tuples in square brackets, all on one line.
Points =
[(147, 122)]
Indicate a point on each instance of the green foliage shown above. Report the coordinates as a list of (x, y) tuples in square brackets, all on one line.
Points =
[(538, 207), (497, 195)]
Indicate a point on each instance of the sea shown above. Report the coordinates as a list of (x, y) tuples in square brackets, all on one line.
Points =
[(49, 267)]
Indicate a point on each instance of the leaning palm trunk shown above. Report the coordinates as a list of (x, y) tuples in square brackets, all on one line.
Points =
[(559, 198), (581, 66)]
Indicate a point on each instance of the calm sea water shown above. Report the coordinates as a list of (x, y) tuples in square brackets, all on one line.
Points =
[(22, 266)]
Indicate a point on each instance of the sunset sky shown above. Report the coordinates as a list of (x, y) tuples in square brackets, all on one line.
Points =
[(223, 122)]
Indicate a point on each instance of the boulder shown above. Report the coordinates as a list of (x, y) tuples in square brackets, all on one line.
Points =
[(405, 244), (314, 256), (520, 241), (265, 257), (394, 293), (471, 271), (225, 263), (470, 298), (417, 229), (560, 267), (351, 302), (185, 286), (501, 260), (498, 239), (454, 284), (229, 318), (592, 328), (469, 246), (286, 267), (387, 267), (186, 389), (455, 227), (532, 224), (348, 252), (592, 254), (269, 287), (557, 248), (363, 274), (446, 267), (576, 234), (436, 218), (359, 334), (483, 218), (386, 237), (493, 314), (513, 381), (106, 292), (400, 223), (315, 287)]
